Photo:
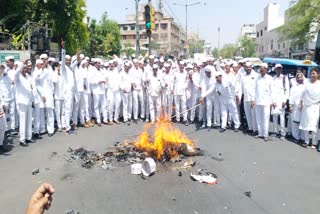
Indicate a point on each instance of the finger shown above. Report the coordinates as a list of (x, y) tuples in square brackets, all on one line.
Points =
[(46, 188), (43, 202)]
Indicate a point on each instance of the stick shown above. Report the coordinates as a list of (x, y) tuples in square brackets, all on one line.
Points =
[(186, 110)]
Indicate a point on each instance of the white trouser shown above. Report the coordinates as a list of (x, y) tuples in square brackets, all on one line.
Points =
[(313, 137), (263, 117), (233, 112), (68, 103), (78, 109), (36, 118), (155, 102), (25, 129), (127, 105), (138, 98), (216, 111), (46, 113), (282, 123), (146, 100), (180, 102), (250, 115), (3, 128), (296, 132), (167, 100), (87, 107), (114, 100), (60, 113), (11, 113), (195, 101), (100, 107), (209, 107)]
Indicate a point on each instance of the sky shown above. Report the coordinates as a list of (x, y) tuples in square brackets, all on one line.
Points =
[(204, 18)]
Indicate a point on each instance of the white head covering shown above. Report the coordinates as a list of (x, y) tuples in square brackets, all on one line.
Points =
[(43, 56), (151, 57), (51, 59), (278, 66), (166, 65), (265, 65), (68, 57), (250, 64), (189, 66), (81, 56), (39, 61), (155, 66), (9, 57)]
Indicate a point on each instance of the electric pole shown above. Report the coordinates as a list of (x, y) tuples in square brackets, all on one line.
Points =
[(137, 30)]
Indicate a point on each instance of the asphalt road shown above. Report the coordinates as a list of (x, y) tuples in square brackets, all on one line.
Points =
[(282, 177)]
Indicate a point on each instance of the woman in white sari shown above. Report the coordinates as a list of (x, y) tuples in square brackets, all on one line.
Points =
[(310, 106), (296, 92)]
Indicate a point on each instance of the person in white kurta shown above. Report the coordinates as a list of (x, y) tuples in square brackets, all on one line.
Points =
[(98, 82), (137, 91), (167, 92), (196, 95), (154, 89), (126, 92), (262, 102), (43, 77), (59, 97), (247, 88), (280, 95), (114, 95), (88, 107), (3, 124), (24, 99), (294, 102), (179, 91), (310, 106)]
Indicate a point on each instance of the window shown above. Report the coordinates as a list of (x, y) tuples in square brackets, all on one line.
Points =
[(284, 45), (300, 46), (271, 46), (132, 27), (261, 34), (164, 26), (279, 46), (125, 28), (124, 37), (257, 34), (265, 28)]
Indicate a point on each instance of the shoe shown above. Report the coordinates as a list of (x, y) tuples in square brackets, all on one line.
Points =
[(29, 141), (36, 136), (282, 138), (99, 124), (203, 125), (186, 123), (110, 123), (313, 147), (13, 133), (24, 144), (135, 121), (4, 148), (266, 139), (50, 134), (236, 130), (222, 130), (147, 121), (257, 136), (85, 125), (117, 122), (59, 129), (74, 127), (70, 132), (304, 145), (89, 123)]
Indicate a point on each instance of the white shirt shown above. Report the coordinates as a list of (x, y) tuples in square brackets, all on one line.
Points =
[(43, 78), (226, 91), (208, 86), (248, 85), (167, 83), (280, 89), (296, 92), (180, 83), (6, 88), (126, 81), (97, 76), (24, 89), (263, 90), (154, 86), (67, 74), (58, 86), (113, 80), (137, 78), (79, 76)]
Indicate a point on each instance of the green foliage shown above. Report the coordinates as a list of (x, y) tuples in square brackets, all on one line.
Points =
[(247, 47), (104, 37), (303, 20), (228, 51), (195, 46), (127, 49), (215, 53)]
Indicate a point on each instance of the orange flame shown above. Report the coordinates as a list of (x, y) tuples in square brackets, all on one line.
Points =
[(166, 138)]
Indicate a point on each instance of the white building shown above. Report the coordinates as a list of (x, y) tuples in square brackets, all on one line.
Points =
[(272, 44), (249, 30)]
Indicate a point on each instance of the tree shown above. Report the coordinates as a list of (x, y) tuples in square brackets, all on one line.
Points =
[(215, 53), (104, 37), (302, 22), (247, 47), (195, 46), (228, 51), (127, 49)]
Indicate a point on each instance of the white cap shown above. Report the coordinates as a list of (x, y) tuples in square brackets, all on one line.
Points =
[(222, 65), (68, 57), (39, 61), (161, 60), (43, 56), (87, 58), (210, 58), (189, 66), (219, 73), (111, 62), (250, 64), (262, 65), (151, 57), (127, 64), (170, 60), (9, 57), (73, 58), (141, 62), (204, 60), (166, 65), (29, 62), (229, 63), (156, 60), (106, 64), (124, 57), (181, 62), (83, 62), (235, 64), (155, 66), (278, 66), (135, 61), (51, 59), (133, 56), (207, 69), (81, 56)]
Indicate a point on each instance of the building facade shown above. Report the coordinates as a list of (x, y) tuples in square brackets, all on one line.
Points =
[(249, 30), (167, 38)]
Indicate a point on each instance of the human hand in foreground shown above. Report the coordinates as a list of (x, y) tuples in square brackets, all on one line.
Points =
[(41, 199)]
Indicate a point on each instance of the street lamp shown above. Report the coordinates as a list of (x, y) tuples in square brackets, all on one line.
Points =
[(137, 29), (219, 39)]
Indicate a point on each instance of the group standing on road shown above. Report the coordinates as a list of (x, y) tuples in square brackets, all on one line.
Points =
[(51, 96)]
